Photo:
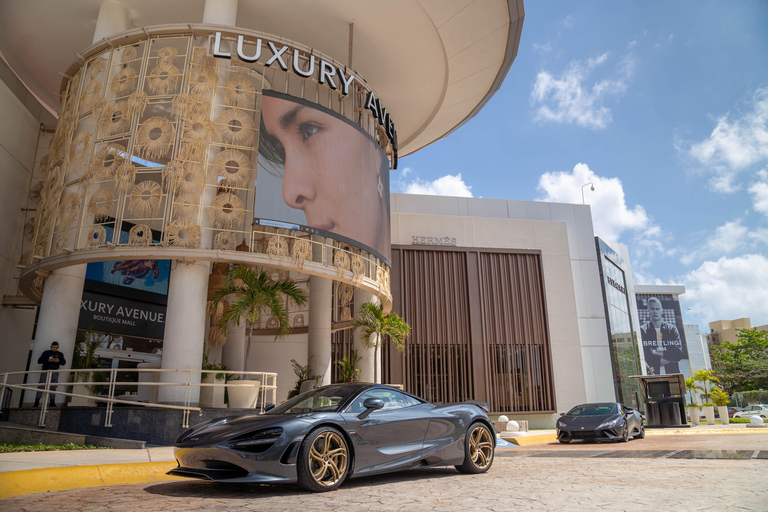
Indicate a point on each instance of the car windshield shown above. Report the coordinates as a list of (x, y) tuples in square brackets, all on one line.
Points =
[(317, 400), (594, 409)]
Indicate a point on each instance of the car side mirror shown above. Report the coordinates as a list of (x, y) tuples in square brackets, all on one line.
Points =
[(371, 404), (269, 407)]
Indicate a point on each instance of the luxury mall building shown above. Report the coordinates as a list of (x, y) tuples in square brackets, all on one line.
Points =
[(147, 146)]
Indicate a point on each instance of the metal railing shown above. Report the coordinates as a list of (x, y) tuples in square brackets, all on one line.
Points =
[(264, 382)]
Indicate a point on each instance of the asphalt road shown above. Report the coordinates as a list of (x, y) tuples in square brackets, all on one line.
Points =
[(639, 475)]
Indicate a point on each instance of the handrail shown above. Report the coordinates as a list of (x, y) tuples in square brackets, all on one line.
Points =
[(267, 381)]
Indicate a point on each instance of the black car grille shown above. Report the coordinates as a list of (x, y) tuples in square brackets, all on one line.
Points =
[(214, 470)]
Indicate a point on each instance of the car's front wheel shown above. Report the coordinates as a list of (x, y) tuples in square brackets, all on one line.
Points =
[(624, 433), (478, 450), (323, 460), (564, 441)]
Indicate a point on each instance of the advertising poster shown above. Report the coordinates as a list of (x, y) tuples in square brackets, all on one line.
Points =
[(662, 333), (318, 172)]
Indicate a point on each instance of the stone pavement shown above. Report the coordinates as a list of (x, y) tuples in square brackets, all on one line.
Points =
[(578, 476)]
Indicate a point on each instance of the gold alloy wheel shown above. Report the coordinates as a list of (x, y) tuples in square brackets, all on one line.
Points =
[(328, 459), (481, 447)]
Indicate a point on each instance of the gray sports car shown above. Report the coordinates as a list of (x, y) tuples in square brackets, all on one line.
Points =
[(326, 435), (609, 421)]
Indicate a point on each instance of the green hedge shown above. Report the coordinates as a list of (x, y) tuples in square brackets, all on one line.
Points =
[(755, 397)]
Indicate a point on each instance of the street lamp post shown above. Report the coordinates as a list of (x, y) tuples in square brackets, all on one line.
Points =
[(582, 190)]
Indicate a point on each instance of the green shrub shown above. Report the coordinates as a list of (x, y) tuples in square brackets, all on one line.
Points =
[(755, 397), (739, 420)]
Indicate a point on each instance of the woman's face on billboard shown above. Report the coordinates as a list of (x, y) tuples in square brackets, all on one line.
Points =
[(331, 171)]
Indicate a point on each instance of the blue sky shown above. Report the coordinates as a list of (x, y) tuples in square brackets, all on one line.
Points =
[(664, 106)]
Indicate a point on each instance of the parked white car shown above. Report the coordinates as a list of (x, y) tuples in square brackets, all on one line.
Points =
[(752, 410)]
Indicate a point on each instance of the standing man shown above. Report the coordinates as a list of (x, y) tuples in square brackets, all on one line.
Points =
[(661, 342), (51, 360)]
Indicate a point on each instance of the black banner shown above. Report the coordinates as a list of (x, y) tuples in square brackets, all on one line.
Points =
[(662, 333), (121, 316)]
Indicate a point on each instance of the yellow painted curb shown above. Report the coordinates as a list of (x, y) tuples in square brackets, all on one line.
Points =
[(531, 440), (34, 481)]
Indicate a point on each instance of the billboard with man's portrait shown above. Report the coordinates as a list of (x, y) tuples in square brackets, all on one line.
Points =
[(662, 333)]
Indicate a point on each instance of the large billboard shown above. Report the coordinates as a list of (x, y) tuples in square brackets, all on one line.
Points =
[(662, 333), (320, 173)]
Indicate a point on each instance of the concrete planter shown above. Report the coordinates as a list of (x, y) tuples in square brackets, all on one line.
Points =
[(694, 413), (212, 396), (81, 401), (709, 413), (243, 394), (722, 411)]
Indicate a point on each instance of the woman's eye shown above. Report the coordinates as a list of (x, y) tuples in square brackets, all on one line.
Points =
[(307, 130)]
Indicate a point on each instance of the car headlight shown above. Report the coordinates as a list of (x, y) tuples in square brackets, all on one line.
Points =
[(610, 423), (258, 441), (561, 424)]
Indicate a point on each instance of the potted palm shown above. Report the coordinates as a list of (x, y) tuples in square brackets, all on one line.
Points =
[(705, 377), (721, 399), (693, 407), (375, 324), (212, 396), (348, 371), (251, 291)]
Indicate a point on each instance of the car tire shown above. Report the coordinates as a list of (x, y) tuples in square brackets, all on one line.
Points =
[(624, 433), (478, 450), (323, 461), (641, 433), (564, 441)]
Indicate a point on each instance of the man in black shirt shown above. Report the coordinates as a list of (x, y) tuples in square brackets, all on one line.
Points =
[(51, 360)]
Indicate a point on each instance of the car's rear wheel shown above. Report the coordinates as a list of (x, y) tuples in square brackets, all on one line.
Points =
[(641, 433), (624, 433), (478, 450), (323, 460)]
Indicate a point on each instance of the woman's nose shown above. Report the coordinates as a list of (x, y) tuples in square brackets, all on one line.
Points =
[(298, 183)]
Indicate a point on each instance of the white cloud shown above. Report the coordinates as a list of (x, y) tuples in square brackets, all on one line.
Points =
[(406, 171), (729, 288), (727, 239), (542, 48), (610, 214), (570, 99), (448, 185), (759, 192), (735, 143), (567, 22)]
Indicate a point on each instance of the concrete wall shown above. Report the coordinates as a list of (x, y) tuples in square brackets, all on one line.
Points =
[(564, 234), (20, 154), (271, 355)]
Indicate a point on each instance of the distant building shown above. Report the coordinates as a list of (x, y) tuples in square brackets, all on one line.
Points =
[(727, 330)]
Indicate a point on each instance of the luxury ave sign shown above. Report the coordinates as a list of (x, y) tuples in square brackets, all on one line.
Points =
[(320, 70)]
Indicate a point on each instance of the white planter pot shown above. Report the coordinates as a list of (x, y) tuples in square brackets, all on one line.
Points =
[(81, 401), (212, 396), (722, 410), (709, 412), (694, 413), (244, 394)]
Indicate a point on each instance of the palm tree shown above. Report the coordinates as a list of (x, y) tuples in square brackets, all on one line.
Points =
[(371, 320), (254, 290), (705, 377), (690, 384)]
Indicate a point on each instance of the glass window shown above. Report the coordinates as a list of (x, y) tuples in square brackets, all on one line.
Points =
[(392, 400)]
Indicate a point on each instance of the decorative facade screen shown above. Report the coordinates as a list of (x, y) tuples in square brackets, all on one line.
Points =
[(479, 328)]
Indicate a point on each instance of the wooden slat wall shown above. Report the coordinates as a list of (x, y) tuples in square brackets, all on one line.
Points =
[(513, 337)]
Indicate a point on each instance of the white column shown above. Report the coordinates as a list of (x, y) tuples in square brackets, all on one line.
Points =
[(319, 348), (370, 365), (233, 353), (59, 314), (184, 330), (113, 18), (220, 12)]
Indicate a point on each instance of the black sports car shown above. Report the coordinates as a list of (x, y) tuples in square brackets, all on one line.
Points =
[(606, 421), (331, 433)]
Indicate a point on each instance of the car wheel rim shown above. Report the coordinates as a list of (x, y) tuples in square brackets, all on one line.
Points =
[(480, 447), (328, 459)]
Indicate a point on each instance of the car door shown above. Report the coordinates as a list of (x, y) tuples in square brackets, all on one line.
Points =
[(389, 437)]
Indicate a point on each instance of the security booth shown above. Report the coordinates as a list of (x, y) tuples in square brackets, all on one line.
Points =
[(664, 399)]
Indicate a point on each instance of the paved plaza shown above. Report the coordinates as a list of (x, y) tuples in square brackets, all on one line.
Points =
[(654, 473)]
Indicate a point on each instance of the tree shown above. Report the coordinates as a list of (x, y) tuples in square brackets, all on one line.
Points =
[(743, 366), (705, 377), (252, 291), (691, 386), (372, 321)]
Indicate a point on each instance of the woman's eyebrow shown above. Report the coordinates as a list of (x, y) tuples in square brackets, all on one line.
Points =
[(286, 120)]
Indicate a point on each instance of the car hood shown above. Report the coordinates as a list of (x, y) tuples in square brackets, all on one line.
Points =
[(221, 429), (591, 421)]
